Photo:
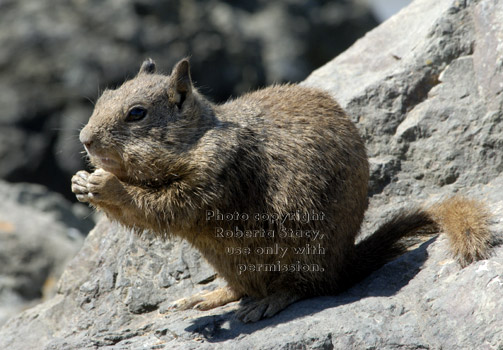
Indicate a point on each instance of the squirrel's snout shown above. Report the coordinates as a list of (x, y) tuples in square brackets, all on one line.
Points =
[(86, 138)]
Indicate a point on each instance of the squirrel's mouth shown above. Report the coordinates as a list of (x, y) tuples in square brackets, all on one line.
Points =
[(107, 163)]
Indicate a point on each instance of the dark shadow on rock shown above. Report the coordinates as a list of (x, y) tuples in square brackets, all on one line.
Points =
[(385, 282)]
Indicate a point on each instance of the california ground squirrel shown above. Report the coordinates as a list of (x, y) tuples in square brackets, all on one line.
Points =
[(271, 188)]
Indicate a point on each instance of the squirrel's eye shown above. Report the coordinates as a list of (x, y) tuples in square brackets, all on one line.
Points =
[(136, 114)]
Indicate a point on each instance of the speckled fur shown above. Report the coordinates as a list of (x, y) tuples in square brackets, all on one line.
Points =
[(277, 151)]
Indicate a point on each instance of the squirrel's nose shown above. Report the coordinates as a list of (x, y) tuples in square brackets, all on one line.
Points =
[(86, 138)]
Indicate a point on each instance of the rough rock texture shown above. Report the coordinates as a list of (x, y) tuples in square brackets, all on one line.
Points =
[(39, 234), (57, 55), (424, 89)]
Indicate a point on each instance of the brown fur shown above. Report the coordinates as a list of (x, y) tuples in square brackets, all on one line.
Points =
[(281, 150), (466, 224)]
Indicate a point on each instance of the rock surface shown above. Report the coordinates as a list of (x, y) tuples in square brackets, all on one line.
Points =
[(39, 234), (57, 55), (428, 105)]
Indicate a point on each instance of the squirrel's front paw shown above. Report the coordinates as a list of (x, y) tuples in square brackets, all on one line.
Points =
[(99, 186), (79, 185)]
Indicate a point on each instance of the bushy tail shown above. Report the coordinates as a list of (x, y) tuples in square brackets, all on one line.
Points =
[(465, 222)]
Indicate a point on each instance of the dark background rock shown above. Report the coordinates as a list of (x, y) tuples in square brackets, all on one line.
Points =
[(58, 55), (424, 92)]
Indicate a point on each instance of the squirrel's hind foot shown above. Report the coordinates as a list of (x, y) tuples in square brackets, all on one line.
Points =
[(206, 300), (254, 310)]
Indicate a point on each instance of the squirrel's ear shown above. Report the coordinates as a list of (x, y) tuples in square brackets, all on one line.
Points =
[(180, 83), (147, 67)]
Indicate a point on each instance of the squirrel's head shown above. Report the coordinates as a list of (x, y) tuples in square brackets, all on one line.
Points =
[(145, 126)]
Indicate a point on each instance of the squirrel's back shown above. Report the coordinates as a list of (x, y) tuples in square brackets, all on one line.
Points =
[(306, 144)]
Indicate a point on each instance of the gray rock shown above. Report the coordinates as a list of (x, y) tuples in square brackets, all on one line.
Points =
[(40, 199), (39, 234), (428, 106), (417, 97)]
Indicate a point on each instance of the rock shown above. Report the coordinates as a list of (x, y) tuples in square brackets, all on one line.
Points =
[(427, 105), (417, 98), (37, 197), (57, 56), (39, 234)]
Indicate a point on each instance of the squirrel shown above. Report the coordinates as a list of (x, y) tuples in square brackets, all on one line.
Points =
[(270, 187)]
